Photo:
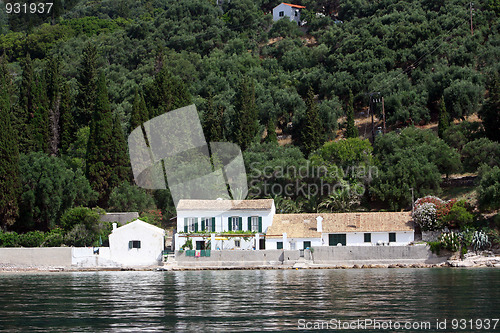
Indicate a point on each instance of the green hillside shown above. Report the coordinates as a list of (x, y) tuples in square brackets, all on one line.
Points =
[(78, 75)]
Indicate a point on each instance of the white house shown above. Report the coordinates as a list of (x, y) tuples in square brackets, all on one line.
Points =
[(137, 244), (287, 10), (300, 231), (202, 221)]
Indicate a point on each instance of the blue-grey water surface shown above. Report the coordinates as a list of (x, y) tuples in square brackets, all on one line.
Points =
[(248, 300)]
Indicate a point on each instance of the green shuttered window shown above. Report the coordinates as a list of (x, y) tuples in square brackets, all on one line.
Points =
[(368, 237)]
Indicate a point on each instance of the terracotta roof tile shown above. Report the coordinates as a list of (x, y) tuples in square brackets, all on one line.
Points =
[(225, 205), (304, 225), (294, 6)]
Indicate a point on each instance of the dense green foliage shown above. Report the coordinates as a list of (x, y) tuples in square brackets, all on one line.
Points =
[(413, 159), (130, 198), (76, 81), (9, 154), (49, 188), (489, 189)]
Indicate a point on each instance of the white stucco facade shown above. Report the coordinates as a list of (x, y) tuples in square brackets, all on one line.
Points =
[(212, 221), (287, 10), (137, 244), (376, 238), (292, 243)]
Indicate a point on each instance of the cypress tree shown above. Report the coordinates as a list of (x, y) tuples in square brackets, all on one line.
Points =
[(351, 130), (247, 123), (53, 81), (9, 154), (24, 111), (271, 131), (212, 125), (139, 112), (40, 124), (66, 122), (312, 137), (87, 85), (119, 154), (166, 93), (444, 121), (490, 113), (100, 155)]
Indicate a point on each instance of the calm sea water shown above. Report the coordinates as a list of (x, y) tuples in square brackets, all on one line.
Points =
[(232, 301)]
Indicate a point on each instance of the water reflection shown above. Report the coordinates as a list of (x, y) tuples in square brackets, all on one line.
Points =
[(240, 300)]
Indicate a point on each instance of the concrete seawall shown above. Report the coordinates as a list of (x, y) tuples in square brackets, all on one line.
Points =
[(318, 257), (375, 254), (36, 257), (81, 258)]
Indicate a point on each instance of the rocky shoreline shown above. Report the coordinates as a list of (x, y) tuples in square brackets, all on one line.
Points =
[(471, 261)]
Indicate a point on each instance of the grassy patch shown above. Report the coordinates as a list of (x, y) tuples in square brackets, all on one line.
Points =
[(460, 192)]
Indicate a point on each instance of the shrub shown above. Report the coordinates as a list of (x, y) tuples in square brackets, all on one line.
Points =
[(79, 215), (435, 247), (9, 239), (32, 239), (450, 241), (54, 238), (489, 189), (153, 216), (425, 216), (493, 236), (457, 216), (466, 237), (480, 241), (79, 236), (430, 199), (188, 244)]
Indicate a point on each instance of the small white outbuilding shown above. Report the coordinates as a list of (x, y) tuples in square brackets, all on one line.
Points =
[(137, 244), (287, 10)]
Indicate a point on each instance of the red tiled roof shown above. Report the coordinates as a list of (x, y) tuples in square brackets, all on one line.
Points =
[(294, 6)]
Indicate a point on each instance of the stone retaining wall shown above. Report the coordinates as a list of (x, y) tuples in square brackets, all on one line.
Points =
[(36, 256)]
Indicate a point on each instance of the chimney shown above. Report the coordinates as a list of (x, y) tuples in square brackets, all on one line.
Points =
[(114, 226), (319, 224)]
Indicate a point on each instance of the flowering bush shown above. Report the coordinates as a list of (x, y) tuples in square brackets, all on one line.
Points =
[(450, 241), (425, 215), (429, 199), (451, 213), (444, 209), (153, 216)]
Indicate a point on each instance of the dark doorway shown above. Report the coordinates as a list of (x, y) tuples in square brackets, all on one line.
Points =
[(334, 239), (200, 245)]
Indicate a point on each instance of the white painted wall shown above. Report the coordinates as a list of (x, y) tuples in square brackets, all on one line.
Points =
[(152, 244), (85, 257), (220, 244), (287, 11), (271, 244), (357, 238), (221, 222)]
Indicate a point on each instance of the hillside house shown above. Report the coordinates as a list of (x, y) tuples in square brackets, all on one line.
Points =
[(253, 224), (204, 218), (301, 231), (287, 10)]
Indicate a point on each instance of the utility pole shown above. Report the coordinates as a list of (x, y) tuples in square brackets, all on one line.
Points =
[(471, 27), (372, 101), (383, 113), (371, 111), (412, 200)]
